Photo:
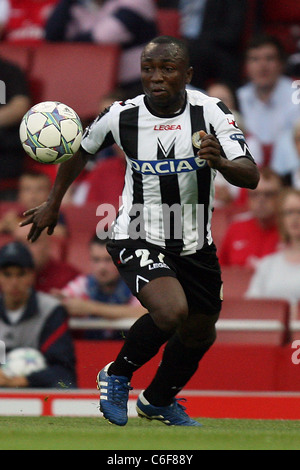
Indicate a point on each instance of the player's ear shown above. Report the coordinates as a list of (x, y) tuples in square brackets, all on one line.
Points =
[(189, 75)]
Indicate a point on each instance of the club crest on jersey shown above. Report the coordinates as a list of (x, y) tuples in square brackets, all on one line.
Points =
[(196, 140)]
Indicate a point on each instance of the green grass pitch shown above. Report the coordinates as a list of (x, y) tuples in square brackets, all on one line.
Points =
[(60, 433)]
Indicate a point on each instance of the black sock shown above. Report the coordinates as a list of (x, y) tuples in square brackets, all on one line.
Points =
[(143, 342), (179, 364)]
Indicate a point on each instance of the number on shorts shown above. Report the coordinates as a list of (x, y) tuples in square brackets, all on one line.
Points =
[(144, 255)]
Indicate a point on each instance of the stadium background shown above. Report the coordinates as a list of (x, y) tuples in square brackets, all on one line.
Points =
[(252, 359)]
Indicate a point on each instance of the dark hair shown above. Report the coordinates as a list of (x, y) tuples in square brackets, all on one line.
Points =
[(267, 39), (170, 40), (35, 174), (101, 238)]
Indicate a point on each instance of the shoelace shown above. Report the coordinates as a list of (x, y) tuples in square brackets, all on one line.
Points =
[(179, 407), (120, 391)]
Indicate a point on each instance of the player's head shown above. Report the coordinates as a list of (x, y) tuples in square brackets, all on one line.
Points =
[(265, 57), (102, 265), (165, 72), (17, 274)]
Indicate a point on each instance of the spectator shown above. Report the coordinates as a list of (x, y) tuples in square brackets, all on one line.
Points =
[(213, 30), (27, 20), (128, 23), (266, 100), (278, 275), (286, 156), (109, 192), (4, 15), (100, 294), (33, 190), (29, 318), (226, 194), (52, 272), (13, 107), (254, 234)]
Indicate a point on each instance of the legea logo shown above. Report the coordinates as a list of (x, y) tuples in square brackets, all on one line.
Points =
[(2, 92)]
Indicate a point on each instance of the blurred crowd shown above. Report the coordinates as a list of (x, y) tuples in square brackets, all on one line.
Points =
[(241, 54)]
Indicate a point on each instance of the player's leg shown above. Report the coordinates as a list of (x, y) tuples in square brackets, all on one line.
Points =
[(200, 277), (180, 361), (181, 358), (166, 303), (165, 300)]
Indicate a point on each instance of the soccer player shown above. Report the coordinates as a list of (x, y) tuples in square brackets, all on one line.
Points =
[(174, 140)]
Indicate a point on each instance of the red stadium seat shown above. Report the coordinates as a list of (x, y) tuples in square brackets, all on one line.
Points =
[(20, 55), (78, 75), (278, 11), (168, 22), (220, 223), (81, 221), (279, 18), (254, 321), (236, 281), (295, 323)]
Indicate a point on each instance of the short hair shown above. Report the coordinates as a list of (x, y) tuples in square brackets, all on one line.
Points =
[(35, 175), (268, 174), (100, 238), (170, 40), (266, 40)]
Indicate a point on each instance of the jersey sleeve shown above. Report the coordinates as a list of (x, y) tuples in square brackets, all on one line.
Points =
[(223, 125), (98, 135)]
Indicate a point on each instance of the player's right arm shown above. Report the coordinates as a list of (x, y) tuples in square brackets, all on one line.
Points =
[(46, 215), (96, 137)]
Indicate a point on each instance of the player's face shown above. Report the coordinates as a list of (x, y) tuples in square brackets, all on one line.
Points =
[(165, 74), (264, 66), (102, 265), (291, 216), (15, 284)]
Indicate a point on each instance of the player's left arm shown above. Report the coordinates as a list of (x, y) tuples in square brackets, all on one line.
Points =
[(241, 171)]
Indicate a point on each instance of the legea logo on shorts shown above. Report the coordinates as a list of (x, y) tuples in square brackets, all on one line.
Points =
[(2, 353), (2, 92)]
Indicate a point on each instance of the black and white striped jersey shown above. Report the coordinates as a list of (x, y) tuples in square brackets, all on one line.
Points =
[(169, 191)]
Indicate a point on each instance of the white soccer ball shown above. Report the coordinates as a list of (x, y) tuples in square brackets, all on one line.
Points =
[(22, 362), (51, 132)]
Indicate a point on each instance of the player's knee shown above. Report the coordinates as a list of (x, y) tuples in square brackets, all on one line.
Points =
[(170, 320), (199, 340)]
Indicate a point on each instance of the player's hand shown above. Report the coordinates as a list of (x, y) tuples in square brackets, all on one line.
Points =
[(40, 218), (210, 150)]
